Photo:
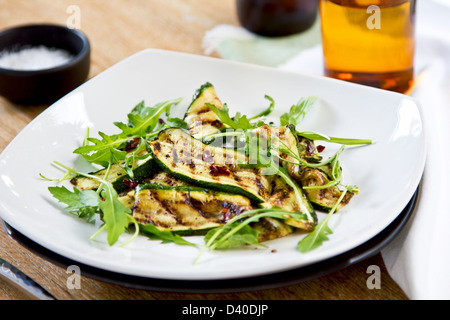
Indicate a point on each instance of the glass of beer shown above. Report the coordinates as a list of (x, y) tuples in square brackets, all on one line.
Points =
[(370, 42)]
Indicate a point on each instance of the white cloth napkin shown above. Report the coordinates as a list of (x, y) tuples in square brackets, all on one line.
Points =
[(419, 258)]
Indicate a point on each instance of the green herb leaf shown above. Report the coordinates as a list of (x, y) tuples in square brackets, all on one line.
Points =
[(320, 233), (263, 154), (83, 203), (103, 151), (154, 233), (344, 141), (142, 121), (115, 214), (176, 123), (298, 111), (236, 232), (243, 236), (130, 161), (238, 122), (266, 112)]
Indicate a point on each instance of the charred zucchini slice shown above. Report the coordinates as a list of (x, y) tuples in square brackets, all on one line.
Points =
[(284, 197), (322, 199), (215, 168), (185, 208), (284, 138), (165, 179), (118, 176), (271, 228), (201, 120), (127, 199), (308, 150), (267, 228)]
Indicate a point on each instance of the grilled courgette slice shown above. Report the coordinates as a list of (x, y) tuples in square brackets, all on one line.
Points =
[(308, 150), (284, 197), (326, 198), (163, 178), (283, 138), (270, 228), (267, 228), (215, 168), (143, 168), (185, 208), (201, 120)]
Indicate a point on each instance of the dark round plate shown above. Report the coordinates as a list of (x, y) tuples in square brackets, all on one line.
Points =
[(358, 254)]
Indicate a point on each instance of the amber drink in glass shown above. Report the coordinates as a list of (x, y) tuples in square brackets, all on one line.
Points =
[(370, 42)]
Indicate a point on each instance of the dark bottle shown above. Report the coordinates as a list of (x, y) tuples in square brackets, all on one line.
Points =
[(275, 18)]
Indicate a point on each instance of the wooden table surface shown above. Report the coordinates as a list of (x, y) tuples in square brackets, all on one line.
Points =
[(118, 29)]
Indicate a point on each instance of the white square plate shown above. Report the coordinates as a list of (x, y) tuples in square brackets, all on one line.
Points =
[(387, 172)]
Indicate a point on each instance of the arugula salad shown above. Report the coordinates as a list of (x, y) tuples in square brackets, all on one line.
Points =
[(237, 180)]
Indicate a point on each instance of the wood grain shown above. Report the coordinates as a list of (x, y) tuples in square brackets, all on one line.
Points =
[(118, 29)]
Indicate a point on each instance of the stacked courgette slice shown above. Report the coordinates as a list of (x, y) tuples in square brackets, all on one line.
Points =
[(186, 184)]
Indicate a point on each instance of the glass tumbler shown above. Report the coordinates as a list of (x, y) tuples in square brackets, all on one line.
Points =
[(370, 42), (275, 18)]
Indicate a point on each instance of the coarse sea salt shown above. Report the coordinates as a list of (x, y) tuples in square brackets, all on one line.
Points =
[(34, 58)]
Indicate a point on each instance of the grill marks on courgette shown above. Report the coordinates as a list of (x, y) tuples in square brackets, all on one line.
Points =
[(185, 208), (270, 228), (283, 137), (215, 168), (117, 175), (284, 197), (267, 228), (201, 120), (323, 199)]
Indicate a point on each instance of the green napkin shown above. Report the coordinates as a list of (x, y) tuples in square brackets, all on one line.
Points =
[(237, 44)]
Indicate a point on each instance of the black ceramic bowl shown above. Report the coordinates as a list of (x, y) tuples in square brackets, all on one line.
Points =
[(47, 85)]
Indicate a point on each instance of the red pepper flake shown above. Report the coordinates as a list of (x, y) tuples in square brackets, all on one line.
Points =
[(320, 148), (132, 144), (219, 170), (130, 183), (226, 214), (309, 148)]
